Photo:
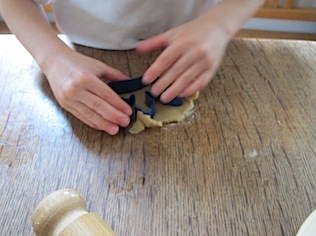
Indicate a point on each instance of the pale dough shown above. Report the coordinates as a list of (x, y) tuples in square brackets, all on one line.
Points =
[(164, 114)]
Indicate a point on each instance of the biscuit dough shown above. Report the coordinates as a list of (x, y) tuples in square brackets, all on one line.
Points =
[(164, 114)]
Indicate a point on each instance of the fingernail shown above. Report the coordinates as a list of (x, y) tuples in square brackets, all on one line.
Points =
[(146, 79), (125, 121), (164, 99), (128, 111), (113, 129), (155, 90)]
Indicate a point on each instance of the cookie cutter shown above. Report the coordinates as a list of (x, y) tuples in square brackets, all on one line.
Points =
[(133, 85)]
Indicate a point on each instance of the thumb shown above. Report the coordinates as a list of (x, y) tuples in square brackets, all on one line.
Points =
[(153, 44)]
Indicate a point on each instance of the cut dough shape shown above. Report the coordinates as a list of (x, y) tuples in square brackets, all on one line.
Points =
[(164, 114)]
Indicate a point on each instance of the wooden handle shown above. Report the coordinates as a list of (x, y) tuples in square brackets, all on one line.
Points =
[(64, 213)]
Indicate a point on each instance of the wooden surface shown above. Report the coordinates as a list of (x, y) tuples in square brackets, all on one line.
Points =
[(277, 9), (243, 163), (263, 34), (287, 14)]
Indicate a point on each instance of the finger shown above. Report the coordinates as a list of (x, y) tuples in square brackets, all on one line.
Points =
[(78, 115), (103, 108), (169, 56), (83, 119), (201, 82), (112, 74), (183, 82), (93, 119), (153, 44), (104, 92), (189, 64)]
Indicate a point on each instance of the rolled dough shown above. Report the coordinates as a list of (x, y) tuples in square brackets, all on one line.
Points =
[(164, 114)]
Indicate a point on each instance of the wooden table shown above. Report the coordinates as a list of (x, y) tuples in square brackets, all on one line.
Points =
[(243, 163)]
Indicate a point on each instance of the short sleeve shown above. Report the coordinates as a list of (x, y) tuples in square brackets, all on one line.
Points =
[(42, 1)]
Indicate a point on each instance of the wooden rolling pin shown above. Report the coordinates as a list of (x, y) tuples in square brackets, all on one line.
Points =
[(64, 213)]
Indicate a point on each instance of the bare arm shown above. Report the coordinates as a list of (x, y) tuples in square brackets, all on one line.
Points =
[(193, 51), (232, 14), (74, 78), (27, 20)]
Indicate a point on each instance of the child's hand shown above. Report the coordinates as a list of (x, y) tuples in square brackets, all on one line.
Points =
[(192, 53), (75, 81)]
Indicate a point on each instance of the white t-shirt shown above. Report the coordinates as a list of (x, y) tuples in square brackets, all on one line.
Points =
[(120, 24)]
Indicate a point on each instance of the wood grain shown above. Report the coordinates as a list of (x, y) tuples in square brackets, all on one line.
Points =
[(277, 9), (243, 163), (287, 14), (288, 4), (262, 34)]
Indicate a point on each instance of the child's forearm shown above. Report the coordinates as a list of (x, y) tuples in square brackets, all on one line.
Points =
[(232, 14), (27, 20), (73, 77)]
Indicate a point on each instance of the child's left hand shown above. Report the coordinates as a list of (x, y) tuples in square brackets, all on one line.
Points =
[(192, 53)]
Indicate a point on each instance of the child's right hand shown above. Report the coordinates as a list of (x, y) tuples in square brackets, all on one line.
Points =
[(75, 81)]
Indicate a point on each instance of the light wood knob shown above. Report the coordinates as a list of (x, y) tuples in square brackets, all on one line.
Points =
[(64, 213)]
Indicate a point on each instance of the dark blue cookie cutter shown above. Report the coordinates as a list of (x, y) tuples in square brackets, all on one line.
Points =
[(133, 85)]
